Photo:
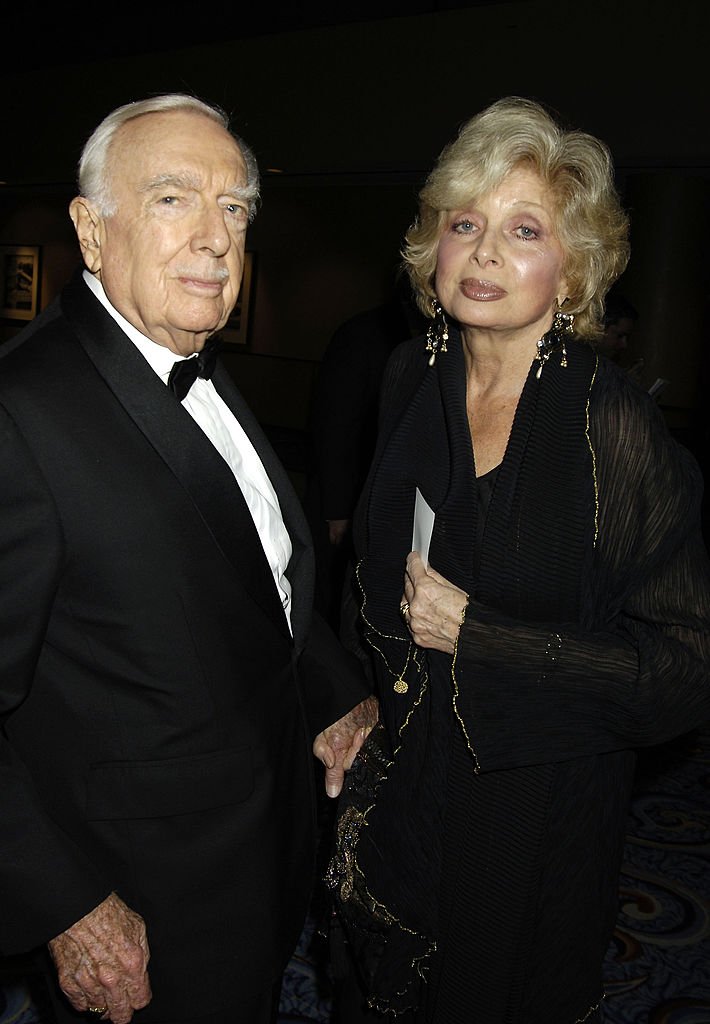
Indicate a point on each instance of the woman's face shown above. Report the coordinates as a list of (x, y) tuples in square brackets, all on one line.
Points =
[(499, 262)]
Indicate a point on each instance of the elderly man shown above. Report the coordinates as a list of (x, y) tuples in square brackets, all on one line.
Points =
[(161, 670)]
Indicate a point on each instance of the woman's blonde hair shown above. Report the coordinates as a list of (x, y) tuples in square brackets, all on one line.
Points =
[(576, 167)]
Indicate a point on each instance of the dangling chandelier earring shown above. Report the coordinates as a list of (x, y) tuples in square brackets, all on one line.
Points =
[(438, 332), (562, 325)]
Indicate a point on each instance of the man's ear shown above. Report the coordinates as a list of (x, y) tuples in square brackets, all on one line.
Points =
[(87, 224)]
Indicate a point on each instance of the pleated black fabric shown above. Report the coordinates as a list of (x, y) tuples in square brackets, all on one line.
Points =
[(500, 822)]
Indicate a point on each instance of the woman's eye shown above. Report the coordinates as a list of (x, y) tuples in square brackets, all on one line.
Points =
[(525, 231), (463, 227)]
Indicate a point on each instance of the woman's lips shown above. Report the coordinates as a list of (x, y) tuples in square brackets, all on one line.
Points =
[(481, 291)]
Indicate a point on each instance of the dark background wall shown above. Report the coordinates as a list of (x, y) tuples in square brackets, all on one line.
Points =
[(351, 108)]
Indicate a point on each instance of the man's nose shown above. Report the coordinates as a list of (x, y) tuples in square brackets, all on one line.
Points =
[(211, 232)]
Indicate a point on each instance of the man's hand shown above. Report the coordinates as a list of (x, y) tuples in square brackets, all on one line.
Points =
[(337, 745), (102, 960)]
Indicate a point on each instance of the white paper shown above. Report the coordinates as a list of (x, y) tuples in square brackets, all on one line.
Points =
[(657, 387), (423, 526)]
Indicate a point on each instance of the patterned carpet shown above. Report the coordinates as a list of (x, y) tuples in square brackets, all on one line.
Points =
[(657, 969), (658, 966)]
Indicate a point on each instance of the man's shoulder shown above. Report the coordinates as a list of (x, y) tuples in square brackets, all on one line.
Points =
[(68, 311), (47, 350), (39, 340)]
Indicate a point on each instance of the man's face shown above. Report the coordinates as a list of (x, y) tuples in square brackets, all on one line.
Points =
[(615, 339), (171, 256)]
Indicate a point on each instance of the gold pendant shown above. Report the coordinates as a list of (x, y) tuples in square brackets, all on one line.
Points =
[(400, 686)]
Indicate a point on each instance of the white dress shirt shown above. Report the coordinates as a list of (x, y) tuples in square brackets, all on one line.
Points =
[(226, 434)]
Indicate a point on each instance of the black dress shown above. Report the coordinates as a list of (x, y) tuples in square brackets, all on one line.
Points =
[(494, 818)]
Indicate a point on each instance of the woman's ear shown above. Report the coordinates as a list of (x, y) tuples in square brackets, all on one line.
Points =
[(87, 224)]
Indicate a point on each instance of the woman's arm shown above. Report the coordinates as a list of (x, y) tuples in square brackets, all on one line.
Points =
[(634, 670), (538, 693)]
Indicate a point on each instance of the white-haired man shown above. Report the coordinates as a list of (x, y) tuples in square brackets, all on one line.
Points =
[(162, 675)]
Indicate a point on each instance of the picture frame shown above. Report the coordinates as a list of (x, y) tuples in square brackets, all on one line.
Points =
[(236, 330), (19, 281)]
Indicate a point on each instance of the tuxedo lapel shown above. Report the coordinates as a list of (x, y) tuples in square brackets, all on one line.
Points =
[(181, 444)]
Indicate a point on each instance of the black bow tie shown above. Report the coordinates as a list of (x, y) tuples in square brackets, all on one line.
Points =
[(185, 372)]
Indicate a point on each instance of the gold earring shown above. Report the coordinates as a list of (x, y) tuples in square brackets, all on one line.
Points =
[(438, 332)]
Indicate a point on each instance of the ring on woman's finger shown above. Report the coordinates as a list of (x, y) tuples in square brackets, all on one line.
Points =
[(97, 1011), (403, 609)]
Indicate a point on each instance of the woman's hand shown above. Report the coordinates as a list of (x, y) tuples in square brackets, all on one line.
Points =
[(433, 607)]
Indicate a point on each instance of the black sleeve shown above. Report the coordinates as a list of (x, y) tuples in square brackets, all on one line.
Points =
[(635, 672), (47, 882), (333, 678)]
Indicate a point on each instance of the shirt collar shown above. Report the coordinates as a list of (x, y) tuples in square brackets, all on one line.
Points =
[(158, 356)]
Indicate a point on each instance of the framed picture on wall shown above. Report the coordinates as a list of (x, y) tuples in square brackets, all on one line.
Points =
[(236, 330), (19, 281)]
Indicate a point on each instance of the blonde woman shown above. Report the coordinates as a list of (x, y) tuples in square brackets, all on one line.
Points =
[(559, 616)]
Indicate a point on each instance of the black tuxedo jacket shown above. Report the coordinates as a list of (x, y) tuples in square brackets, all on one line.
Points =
[(157, 713)]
